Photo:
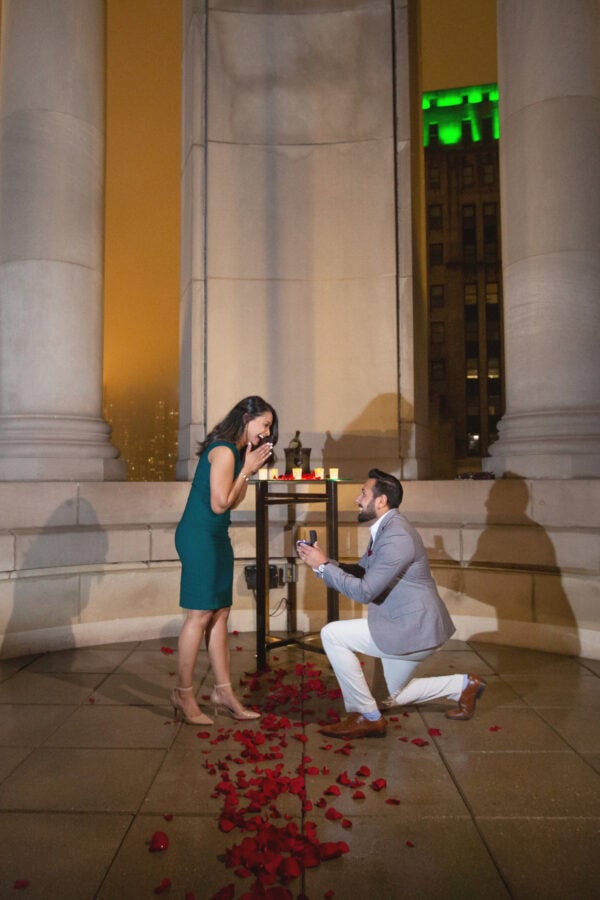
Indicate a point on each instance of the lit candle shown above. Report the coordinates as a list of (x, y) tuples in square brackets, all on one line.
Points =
[(263, 474), (334, 473), (297, 473), (319, 472), (274, 472)]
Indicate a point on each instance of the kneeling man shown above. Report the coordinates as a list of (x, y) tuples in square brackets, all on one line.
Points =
[(406, 618)]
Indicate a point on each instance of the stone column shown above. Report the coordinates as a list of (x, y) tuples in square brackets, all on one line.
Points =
[(51, 242), (192, 309), (413, 338), (549, 83)]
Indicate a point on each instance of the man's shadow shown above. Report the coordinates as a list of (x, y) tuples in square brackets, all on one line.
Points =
[(533, 556)]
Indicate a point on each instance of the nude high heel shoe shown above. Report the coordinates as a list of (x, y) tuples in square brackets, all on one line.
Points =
[(178, 708), (221, 709)]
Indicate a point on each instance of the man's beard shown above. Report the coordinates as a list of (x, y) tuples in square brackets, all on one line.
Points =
[(367, 513)]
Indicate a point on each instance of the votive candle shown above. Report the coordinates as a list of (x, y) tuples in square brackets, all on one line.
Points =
[(274, 472), (319, 472), (297, 473), (334, 473), (263, 474)]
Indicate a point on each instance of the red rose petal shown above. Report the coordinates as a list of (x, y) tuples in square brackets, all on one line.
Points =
[(168, 817), (226, 893), (333, 791), (163, 886), (494, 728), (21, 883), (409, 844), (364, 772), (434, 732), (419, 742), (167, 650), (378, 784), (346, 823), (391, 801), (358, 795), (159, 841), (332, 814)]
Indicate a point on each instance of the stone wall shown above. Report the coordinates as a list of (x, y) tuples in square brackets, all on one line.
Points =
[(516, 561)]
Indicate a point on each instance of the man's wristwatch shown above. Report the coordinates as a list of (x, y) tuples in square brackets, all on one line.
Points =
[(321, 569)]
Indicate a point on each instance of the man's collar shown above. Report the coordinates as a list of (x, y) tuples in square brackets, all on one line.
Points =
[(377, 523)]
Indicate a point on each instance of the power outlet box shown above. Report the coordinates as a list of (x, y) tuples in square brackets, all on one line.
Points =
[(250, 576)]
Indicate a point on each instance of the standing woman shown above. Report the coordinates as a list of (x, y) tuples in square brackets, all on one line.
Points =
[(233, 451)]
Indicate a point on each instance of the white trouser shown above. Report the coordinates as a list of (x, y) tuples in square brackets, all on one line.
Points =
[(343, 639)]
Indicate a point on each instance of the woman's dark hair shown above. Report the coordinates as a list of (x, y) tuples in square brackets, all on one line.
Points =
[(388, 485), (232, 426)]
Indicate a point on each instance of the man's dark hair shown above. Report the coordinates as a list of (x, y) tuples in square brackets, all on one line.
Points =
[(389, 485)]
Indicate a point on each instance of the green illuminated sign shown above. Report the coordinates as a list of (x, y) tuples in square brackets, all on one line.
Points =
[(449, 115)]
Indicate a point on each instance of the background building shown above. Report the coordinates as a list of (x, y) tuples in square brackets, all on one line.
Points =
[(461, 131)]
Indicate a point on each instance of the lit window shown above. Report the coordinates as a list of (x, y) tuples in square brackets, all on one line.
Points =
[(470, 294), (491, 293), (472, 368), (493, 367)]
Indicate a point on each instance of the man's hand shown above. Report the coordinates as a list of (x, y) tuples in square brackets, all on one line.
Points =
[(312, 555)]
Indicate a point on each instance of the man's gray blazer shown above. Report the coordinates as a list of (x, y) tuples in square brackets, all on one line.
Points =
[(405, 611)]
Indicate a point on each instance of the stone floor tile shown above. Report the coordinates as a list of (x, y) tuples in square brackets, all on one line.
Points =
[(133, 690), (45, 687), (592, 665), (518, 661), (414, 775), (194, 861), (568, 692), (82, 659), (8, 667), (526, 784), (576, 726), (29, 725), (10, 757), (446, 860), (115, 726), (61, 855), (187, 781), (504, 728), (81, 780), (593, 759), (550, 858)]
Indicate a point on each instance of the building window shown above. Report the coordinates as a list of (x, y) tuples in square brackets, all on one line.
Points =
[(488, 174), (472, 368), (467, 176), (470, 294), (435, 220), (469, 233), (490, 223), (493, 367), (438, 369), (436, 296), (436, 254), (438, 332), (491, 293), (434, 177)]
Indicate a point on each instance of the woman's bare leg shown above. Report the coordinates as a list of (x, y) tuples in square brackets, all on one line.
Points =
[(217, 644), (196, 623)]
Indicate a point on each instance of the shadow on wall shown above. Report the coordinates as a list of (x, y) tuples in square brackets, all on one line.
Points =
[(50, 604), (519, 549), (370, 440)]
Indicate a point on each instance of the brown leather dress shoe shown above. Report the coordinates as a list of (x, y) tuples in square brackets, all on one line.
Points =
[(467, 700), (356, 726)]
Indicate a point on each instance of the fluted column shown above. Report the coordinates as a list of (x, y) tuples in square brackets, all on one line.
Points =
[(549, 83), (192, 308), (51, 242)]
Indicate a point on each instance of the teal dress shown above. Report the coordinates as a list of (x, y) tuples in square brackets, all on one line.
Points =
[(203, 544)]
